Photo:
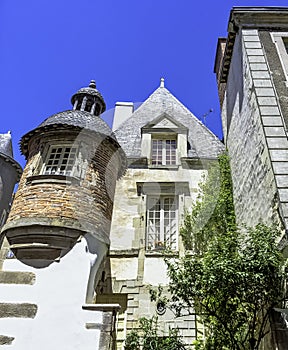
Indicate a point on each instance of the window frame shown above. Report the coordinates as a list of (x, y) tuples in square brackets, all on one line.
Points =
[(168, 155), (158, 219), (67, 160), (279, 39)]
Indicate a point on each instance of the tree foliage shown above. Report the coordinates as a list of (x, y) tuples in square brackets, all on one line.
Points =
[(231, 277), (148, 337)]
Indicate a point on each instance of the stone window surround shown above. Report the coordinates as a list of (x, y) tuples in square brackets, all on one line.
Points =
[(146, 146), (163, 189), (60, 160), (278, 38), (162, 222), (178, 133), (77, 172), (163, 150)]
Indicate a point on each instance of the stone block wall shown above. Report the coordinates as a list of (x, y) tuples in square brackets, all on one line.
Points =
[(255, 134)]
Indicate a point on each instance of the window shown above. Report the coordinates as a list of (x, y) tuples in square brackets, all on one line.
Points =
[(281, 42), (60, 160), (163, 151), (162, 223), (285, 42)]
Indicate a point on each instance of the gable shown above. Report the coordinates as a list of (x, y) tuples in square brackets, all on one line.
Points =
[(162, 104), (164, 122)]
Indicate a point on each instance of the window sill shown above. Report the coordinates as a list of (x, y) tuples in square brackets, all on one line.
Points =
[(157, 253), (165, 167), (56, 179)]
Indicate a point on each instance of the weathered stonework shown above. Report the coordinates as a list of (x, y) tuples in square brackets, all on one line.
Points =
[(255, 126), (255, 114), (19, 310), (17, 277), (5, 340)]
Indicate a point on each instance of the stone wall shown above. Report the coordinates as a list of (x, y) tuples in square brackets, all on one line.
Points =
[(253, 127), (131, 270)]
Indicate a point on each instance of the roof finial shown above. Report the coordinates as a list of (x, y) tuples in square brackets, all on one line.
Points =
[(92, 84), (162, 80)]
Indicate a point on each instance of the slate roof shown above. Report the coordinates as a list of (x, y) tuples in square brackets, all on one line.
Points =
[(6, 152), (83, 119), (6, 144), (90, 90), (80, 119), (204, 144)]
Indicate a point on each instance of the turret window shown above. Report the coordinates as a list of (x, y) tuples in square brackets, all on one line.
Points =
[(60, 160)]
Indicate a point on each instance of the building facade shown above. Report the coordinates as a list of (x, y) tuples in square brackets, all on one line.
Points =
[(251, 67), (93, 212), (96, 207), (168, 150)]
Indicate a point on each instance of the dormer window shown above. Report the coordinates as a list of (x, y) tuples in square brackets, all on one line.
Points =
[(164, 142), (163, 151), (60, 160)]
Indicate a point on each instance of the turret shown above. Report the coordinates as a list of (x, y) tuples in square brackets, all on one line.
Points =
[(67, 187)]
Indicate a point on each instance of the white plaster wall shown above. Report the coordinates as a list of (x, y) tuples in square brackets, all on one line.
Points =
[(59, 292)]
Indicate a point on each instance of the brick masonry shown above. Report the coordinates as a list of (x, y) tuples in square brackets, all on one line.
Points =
[(85, 203)]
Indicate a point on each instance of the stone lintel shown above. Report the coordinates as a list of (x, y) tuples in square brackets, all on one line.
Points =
[(102, 307), (98, 326)]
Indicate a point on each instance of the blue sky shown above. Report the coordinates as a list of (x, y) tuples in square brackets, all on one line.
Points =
[(49, 49)]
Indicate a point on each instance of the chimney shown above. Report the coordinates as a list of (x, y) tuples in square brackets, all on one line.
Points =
[(123, 110)]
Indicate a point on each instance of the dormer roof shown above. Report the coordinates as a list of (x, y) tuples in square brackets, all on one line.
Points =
[(164, 122)]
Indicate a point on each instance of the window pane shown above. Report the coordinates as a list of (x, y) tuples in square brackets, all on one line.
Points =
[(157, 149), (60, 160), (170, 152), (162, 226)]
